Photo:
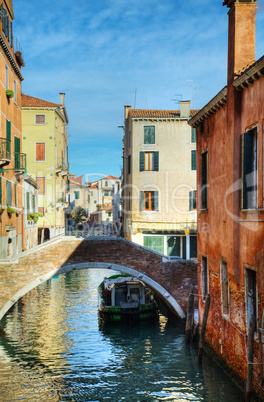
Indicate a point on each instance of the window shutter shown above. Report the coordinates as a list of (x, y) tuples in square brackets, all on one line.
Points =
[(193, 136), (8, 135), (156, 161), (141, 201), (156, 200), (28, 202), (0, 190), (193, 167), (41, 183), (141, 161), (9, 193), (40, 151), (34, 202)]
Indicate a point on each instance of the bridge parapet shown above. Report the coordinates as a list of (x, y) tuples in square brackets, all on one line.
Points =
[(172, 279)]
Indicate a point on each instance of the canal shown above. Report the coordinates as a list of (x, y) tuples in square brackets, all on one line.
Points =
[(52, 348)]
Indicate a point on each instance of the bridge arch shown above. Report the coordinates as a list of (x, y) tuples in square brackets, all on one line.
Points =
[(168, 299)]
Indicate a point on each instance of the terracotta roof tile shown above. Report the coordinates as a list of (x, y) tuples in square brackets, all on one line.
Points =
[(31, 101), (166, 114), (110, 178)]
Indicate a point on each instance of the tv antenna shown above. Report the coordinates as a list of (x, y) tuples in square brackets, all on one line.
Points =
[(135, 96), (192, 86), (177, 99)]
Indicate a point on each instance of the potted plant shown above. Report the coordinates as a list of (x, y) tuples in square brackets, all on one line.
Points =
[(10, 93), (10, 211)]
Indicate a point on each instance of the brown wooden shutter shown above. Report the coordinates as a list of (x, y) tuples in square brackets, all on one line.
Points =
[(41, 183), (40, 151), (40, 119)]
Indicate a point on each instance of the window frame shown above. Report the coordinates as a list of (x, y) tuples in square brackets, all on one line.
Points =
[(193, 167), (193, 200), (225, 291), (42, 160), (40, 114), (41, 177), (248, 269), (193, 135), (204, 277), (144, 135)]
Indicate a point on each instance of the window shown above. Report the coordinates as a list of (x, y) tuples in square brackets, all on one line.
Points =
[(204, 180), (106, 193), (7, 26), (9, 193), (149, 161), (149, 200), (155, 243), (193, 135), (193, 161), (15, 195), (40, 151), (192, 200), (15, 91), (34, 202), (106, 183), (1, 190), (77, 195), (129, 164), (224, 288), (8, 136), (42, 183), (204, 277), (251, 295), (28, 201), (40, 119), (109, 214), (249, 169), (6, 76), (149, 135)]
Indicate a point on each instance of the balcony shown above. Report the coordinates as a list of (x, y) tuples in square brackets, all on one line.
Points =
[(5, 154), (62, 167), (20, 162)]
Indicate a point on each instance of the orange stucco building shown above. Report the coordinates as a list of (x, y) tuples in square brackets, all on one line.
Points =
[(12, 160), (230, 179)]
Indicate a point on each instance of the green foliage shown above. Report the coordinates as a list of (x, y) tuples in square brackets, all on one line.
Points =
[(10, 210), (10, 93), (79, 214)]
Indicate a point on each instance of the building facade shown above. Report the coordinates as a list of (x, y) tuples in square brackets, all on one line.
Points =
[(159, 180), (12, 160), (230, 201), (45, 130)]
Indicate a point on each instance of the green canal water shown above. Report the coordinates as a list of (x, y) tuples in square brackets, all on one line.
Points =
[(52, 348)]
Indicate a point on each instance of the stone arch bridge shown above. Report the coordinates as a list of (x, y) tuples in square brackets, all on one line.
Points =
[(172, 279)]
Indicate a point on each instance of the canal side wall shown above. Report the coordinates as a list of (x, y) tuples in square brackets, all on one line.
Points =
[(178, 277)]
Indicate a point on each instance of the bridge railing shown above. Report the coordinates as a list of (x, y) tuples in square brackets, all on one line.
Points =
[(88, 232)]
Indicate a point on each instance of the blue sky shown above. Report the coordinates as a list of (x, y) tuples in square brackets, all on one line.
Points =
[(100, 52)]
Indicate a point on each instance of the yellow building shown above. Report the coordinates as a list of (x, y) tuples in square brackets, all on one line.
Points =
[(44, 128), (159, 180), (12, 161)]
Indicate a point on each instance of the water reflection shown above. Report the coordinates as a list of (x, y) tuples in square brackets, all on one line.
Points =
[(55, 349)]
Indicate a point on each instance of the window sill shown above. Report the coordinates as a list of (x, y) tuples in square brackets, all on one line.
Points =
[(203, 210), (250, 210), (149, 212)]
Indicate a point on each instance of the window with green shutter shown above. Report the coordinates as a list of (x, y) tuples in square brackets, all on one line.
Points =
[(193, 135), (155, 243), (28, 201), (34, 202), (77, 195), (9, 193), (193, 163), (8, 135), (149, 161), (149, 200), (149, 135)]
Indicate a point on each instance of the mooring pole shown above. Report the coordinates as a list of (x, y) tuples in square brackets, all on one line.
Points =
[(189, 320), (251, 331), (202, 335)]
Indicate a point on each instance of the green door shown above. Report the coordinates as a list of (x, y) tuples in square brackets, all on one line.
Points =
[(155, 243), (193, 246), (17, 153)]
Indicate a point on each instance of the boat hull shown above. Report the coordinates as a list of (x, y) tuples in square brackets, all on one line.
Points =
[(117, 314)]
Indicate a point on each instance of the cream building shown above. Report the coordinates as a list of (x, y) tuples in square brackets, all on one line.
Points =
[(159, 185), (44, 140)]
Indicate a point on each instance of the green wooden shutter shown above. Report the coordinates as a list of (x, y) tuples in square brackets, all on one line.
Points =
[(156, 200), (28, 202), (156, 161), (9, 193), (141, 161), (141, 201), (193, 136), (34, 202), (193, 160), (17, 153), (8, 135)]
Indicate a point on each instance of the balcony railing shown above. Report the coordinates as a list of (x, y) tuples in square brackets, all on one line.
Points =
[(5, 147), (20, 161)]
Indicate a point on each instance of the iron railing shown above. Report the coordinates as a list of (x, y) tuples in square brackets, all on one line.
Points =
[(5, 148), (20, 161)]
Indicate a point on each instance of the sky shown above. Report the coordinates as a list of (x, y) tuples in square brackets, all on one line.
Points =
[(105, 54)]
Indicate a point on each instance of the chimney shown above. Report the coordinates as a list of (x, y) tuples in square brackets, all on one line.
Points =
[(127, 108), (241, 35), (62, 96), (185, 109)]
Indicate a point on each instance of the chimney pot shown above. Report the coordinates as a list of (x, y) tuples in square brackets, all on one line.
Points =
[(62, 98)]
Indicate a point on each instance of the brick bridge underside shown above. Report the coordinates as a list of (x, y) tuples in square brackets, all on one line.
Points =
[(172, 280)]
